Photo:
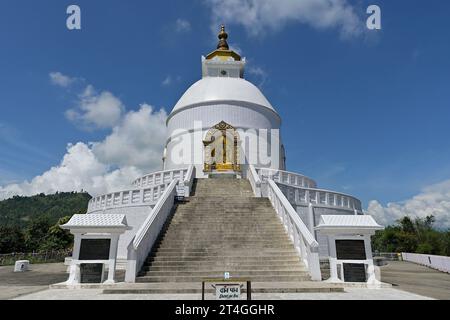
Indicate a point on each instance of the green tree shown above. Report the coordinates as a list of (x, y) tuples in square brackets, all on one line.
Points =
[(11, 239), (37, 232), (409, 235), (57, 238)]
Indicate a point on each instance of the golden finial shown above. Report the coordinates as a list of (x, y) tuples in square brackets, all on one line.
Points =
[(223, 36)]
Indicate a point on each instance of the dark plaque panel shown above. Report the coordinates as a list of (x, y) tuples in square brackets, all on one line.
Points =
[(350, 250), (91, 272), (95, 249), (354, 272)]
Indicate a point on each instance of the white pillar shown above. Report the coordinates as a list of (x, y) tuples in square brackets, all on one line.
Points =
[(333, 260), (112, 259)]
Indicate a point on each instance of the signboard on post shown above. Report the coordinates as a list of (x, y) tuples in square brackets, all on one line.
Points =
[(228, 291)]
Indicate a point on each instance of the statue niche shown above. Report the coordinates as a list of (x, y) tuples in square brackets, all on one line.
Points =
[(221, 148)]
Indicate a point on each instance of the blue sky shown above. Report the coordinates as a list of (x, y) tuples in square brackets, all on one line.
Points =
[(366, 114)]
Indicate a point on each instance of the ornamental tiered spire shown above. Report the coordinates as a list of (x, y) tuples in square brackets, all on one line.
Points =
[(223, 49), (223, 36)]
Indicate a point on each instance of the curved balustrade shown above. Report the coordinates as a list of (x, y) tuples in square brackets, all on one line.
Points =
[(148, 190), (160, 177), (137, 197), (320, 197), (286, 177), (302, 190)]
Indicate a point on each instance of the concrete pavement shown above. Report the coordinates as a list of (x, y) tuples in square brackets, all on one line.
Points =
[(417, 279), (411, 282)]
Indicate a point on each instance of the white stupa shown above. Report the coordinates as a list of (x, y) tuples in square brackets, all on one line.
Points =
[(223, 125), (223, 100)]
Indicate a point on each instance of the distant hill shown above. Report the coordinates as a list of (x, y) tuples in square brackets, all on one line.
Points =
[(18, 211)]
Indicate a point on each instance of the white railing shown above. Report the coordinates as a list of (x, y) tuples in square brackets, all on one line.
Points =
[(286, 177), (320, 197), (129, 198), (304, 241), (188, 181), (254, 179), (142, 243), (441, 263), (160, 177), (145, 194)]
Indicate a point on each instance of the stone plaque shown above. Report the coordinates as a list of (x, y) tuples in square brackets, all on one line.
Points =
[(95, 249), (350, 250), (91, 272), (354, 272)]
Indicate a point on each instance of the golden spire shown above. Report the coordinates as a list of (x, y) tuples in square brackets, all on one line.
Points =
[(223, 36), (223, 49)]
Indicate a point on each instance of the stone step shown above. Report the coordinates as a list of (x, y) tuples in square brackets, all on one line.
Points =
[(224, 252), (228, 247), (219, 237), (219, 274), (226, 218), (232, 259), (224, 223), (181, 254), (209, 243), (224, 231), (200, 278), (227, 228), (226, 200), (222, 269), (221, 264), (239, 213)]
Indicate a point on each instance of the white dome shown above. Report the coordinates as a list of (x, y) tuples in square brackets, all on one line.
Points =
[(210, 89)]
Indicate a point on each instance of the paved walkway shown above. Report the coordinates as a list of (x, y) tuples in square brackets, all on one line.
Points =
[(350, 294), (39, 278), (411, 282), (417, 279)]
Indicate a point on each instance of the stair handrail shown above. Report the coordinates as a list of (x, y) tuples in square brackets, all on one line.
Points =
[(189, 180), (304, 242), (254, 180), (142, 243)]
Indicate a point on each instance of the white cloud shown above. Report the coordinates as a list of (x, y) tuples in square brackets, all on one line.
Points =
[(259, 16), (259, 73), (433, 200), (134, 147), (137, 141), (170, 80), (61, 80), (182, 25), (167, 81), (96, 110), (75, 172)]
